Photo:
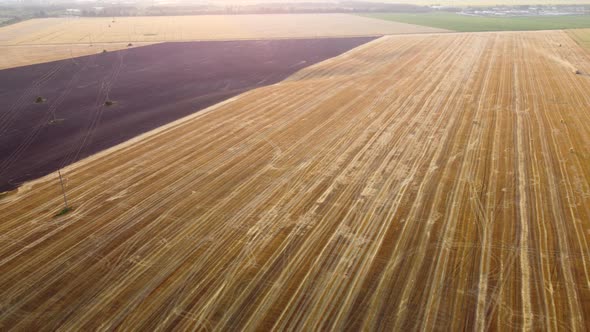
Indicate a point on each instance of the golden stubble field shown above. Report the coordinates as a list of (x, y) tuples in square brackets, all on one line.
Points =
[(16, 56), (416, 182), (43, 40), (582, 36)]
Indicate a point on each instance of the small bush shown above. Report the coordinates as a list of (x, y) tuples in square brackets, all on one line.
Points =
[(129, 45), (39, 100), (63, 211), (109, 103), (104, 51)]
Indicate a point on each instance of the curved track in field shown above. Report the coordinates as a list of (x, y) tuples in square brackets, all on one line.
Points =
[(416, 182)]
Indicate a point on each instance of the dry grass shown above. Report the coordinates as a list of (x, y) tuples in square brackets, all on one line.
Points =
[(416, 182), (16, 56), (581, 36), (210, 27), (43, 40)]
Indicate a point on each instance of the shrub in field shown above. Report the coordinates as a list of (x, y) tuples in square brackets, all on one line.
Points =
[(63, 211)]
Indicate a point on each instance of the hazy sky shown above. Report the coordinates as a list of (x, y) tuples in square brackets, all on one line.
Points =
[(249, 2), (416, 2)]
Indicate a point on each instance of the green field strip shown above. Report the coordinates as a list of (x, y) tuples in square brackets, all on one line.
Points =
[(463, 23)]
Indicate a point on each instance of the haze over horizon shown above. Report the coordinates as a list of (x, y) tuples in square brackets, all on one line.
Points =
[(250, 2)]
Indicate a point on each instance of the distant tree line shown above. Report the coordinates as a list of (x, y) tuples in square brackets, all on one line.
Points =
[(21, 12), (10, 20), (12, 16)]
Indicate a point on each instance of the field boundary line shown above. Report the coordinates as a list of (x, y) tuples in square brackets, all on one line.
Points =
[(149, 134)]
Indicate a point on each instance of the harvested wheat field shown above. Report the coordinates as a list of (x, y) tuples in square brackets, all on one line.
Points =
[(49, 39), (18, 56), (201, 27), (416, 182), (582, 36)]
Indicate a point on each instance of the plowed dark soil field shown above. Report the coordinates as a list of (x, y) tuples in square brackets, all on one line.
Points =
[(148, 87)]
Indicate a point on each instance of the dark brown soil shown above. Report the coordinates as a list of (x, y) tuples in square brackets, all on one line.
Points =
[(145, 88)]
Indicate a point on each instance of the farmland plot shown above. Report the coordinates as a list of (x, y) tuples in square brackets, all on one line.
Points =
[(19, 56), (466, 23), (417, 182), (202, 27), (43, 40), (582, 36), (148, 87)]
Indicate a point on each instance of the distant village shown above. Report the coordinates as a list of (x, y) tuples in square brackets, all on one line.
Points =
[(524, 10), (12, 11)]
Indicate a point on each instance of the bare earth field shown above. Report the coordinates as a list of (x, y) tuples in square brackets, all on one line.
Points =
[(150, 86), (416, 182), (42, 40)]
